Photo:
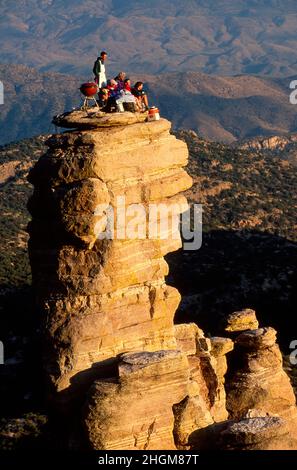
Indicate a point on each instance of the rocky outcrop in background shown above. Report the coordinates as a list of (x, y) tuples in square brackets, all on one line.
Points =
[(111, 346)]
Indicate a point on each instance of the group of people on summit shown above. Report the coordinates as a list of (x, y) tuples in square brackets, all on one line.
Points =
[(117, 92)]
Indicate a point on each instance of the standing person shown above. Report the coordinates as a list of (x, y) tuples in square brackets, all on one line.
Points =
[(99, 70)]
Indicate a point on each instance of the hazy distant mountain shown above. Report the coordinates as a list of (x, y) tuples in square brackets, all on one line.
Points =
[(31, 99), (225, 108), (218, 108), (212, 36)]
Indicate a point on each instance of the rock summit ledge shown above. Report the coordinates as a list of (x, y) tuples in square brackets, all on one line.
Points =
[(79, 119)]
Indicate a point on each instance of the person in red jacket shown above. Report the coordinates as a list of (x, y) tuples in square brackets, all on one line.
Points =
[(127, 84), (112, 86)]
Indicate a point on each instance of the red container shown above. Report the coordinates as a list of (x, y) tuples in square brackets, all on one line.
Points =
[(153, 114), (89, 89), (153, 110)]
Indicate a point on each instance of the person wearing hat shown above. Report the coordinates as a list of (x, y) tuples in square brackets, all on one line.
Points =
[(99, 70)]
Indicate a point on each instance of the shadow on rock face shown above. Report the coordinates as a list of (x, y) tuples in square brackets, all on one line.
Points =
[(258, 433), (235, 270)]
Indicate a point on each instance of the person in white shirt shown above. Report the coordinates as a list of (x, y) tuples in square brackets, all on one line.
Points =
[(99, 70)]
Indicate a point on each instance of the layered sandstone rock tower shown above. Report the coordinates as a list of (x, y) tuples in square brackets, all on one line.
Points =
[(102, 297), (112, 351)]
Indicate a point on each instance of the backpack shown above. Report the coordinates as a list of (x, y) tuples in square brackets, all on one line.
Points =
[(130, 107)]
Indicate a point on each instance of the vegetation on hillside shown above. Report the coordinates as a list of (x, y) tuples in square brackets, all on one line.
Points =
[(242, 189), (249, 253), (15, 162)]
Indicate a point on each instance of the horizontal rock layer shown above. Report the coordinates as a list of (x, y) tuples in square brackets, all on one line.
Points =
[(156, 400), (257, 385), (136, 410), (103, 292)]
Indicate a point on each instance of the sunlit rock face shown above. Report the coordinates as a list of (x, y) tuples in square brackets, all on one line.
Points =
[(103, 293)]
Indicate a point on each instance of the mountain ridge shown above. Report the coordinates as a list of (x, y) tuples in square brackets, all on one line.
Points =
[(249, 36)]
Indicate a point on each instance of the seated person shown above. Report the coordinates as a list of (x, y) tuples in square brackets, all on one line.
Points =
[(111, 85), (103, 97), (113, 94), (141, 96), (127, 85), (127, 101), (118, 97), (120, 79)]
